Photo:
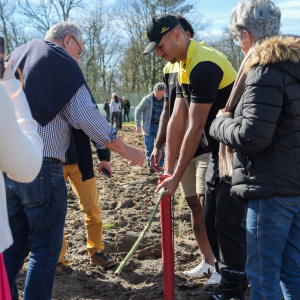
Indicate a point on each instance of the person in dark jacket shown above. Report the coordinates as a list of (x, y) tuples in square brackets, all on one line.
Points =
[(121, 110), (126, 108), (107, 109), (88, 195), (265, 136)]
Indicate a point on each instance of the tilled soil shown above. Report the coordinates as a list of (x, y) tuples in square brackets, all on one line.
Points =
[(127, 201)]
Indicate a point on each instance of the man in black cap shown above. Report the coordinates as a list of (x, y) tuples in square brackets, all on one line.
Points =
[(205, 80)]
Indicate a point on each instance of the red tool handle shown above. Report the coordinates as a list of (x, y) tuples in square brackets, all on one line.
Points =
[(167, 244)]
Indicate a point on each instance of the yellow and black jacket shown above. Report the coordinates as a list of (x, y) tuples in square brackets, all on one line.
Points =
[(206, 77)]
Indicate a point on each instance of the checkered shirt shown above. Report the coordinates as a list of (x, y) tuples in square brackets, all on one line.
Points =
[(157, 108), (81, 113)]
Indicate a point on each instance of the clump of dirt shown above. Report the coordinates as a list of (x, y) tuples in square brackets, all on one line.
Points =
[(127, 201)]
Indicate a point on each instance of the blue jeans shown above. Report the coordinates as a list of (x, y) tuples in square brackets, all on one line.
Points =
[(149, 143), (115, 115), (273, 246), (37, 212)]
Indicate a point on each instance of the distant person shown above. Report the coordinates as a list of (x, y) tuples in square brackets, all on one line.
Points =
[(121, 113), (151, 107), (126, 108), (107, 109), (115, 106)]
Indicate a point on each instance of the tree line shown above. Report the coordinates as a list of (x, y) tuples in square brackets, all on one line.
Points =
[(114, 37)]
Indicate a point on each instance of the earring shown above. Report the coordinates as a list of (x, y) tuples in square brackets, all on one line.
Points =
[(178, 43)]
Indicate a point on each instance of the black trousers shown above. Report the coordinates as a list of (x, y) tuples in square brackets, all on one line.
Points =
[(225, 223), (126, 113), (107, 115), (120, 120)]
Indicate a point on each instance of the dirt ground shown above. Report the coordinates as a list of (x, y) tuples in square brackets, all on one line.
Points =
[(127, 201)]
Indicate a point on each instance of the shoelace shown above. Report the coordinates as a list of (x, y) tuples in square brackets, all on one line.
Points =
[(102, 255)]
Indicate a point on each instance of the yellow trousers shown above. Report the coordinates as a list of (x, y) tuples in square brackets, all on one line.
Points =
[(88, 195)]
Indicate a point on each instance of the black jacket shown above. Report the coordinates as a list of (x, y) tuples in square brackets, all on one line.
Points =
[(266, 124), (126, 104), (106, 106), (103, 154)]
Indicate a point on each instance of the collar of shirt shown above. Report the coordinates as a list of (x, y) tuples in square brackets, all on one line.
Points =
[(184, 67)]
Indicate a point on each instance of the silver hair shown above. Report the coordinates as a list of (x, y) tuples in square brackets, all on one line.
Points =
[(261, 18), (159, 87), (60, 30), (123, 97)]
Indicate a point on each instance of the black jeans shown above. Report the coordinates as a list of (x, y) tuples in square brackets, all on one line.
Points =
[(126, 113), (120, 120), (225, 223), (107, 115)]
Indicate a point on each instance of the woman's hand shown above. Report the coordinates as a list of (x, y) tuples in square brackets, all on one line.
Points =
[(222, 112)]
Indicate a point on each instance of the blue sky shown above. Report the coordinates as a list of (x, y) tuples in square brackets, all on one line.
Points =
[(219, 11)]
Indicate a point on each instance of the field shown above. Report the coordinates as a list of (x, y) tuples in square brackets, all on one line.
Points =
[(126, 201)]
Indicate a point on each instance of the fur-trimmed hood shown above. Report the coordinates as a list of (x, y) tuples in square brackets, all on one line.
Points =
[(276, 50)]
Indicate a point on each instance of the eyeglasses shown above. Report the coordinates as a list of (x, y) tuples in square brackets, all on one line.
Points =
[(235, 40), (82, 52)]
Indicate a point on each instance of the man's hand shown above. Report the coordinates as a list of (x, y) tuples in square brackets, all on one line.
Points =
[(135, 155), (138, 129), (170, 184), (106, 165), (154, 160), (223, 112)]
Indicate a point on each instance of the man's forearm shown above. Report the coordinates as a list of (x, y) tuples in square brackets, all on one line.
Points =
[(118, 146), (189, 146), (163, 124)]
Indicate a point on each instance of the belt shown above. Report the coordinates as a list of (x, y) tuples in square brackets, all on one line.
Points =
[(51, 159), (155, 122)]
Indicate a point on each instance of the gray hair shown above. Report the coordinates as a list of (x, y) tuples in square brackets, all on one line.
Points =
[(261, 18), (60, 30), (159, 87)]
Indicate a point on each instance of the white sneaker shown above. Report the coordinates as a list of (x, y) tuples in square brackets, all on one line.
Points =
[(214, 279), (202, 270)]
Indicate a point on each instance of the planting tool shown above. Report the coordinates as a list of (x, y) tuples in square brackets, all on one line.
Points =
[(167, 244), (135, 246)]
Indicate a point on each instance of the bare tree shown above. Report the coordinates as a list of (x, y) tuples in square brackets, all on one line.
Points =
[(103, 48), (224, 44), (42, 15), (63, 8)]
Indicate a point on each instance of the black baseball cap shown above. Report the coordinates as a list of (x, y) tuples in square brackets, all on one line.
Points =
[(157, 27)]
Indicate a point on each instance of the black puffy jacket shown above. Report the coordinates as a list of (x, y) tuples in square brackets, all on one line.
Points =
[(266, 124)]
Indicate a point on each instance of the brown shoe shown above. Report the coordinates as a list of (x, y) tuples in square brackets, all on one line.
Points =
[(100, 259), (59, 268)]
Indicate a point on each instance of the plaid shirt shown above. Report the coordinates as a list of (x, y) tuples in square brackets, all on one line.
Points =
[(81, 113), (157, 108)]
